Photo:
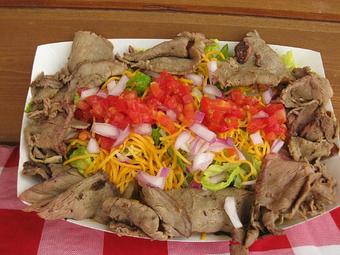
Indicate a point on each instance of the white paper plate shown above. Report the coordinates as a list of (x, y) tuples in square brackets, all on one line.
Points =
[(50, 58)]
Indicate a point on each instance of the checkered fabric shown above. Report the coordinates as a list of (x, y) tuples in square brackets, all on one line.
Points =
[(27, 234)]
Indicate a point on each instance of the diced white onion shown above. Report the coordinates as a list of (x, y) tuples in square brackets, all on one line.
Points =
[(123, 134), (163, 172), (212, 66), (203, 132), (105, 129), (88, 92), (220, 145), (239, 154), (256, 138), (143, 129), (199, 117), (261, 114), (197, 79), (102, 94), (267, 96), (92, 146), (171, 114), (276, 146), (196, 146), (202, 161), (117, 89), (122, 158), (212, 90), (248, 183), (230, 209), (182, 141), (217, 178), (150, 180)]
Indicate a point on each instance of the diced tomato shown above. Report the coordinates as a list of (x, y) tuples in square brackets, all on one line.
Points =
[(169, 93), (189, 112), (171, 102), (156, 91), (85, 116), (105, 142), (232, 123), (270, 136), (116, 102), (129, 95), (241, 99), (231, 152), (82, 105), (187, 98), (165, 122), (256, 124)]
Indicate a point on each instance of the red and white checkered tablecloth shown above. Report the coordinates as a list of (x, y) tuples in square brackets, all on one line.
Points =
[(24, 233)]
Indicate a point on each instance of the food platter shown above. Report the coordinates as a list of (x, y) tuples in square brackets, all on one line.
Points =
[(52, 57)]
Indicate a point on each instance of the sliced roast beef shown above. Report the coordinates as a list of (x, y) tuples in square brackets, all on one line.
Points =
[(323, 126), (169, 210), (78, 124), (93, 74), (178, 56), (255, 63), (89, 47), (32, 168), (306, 89), (299, 117), (300, 72), (322, 192), (204, 209), (80, 201), (283, 188), (48, 97), (44, 171), (45, 87), (277, 191), (237, 246), (302, 149), (176, 47), (46, 138), (269, 59), (122, 229), (133, 213), (230, 73), (41, 194), (47, 109)]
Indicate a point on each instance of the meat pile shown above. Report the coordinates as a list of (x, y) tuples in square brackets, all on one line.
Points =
[(288, 184), (254, 63), (284, 189), (180, 55), (91, 63), (313, 130)]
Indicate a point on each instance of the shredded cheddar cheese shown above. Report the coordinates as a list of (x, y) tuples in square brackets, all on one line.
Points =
[(144, 156)]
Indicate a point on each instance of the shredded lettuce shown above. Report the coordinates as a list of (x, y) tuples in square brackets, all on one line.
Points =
[(225, 51), (80, 164), (215, 46), (227, 171), (76, 98), (139, 82), (288, 60), (156, 135), (29, 107), (212, 46)]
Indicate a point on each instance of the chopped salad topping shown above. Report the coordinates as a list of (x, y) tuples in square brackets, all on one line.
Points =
[(187, 124)]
